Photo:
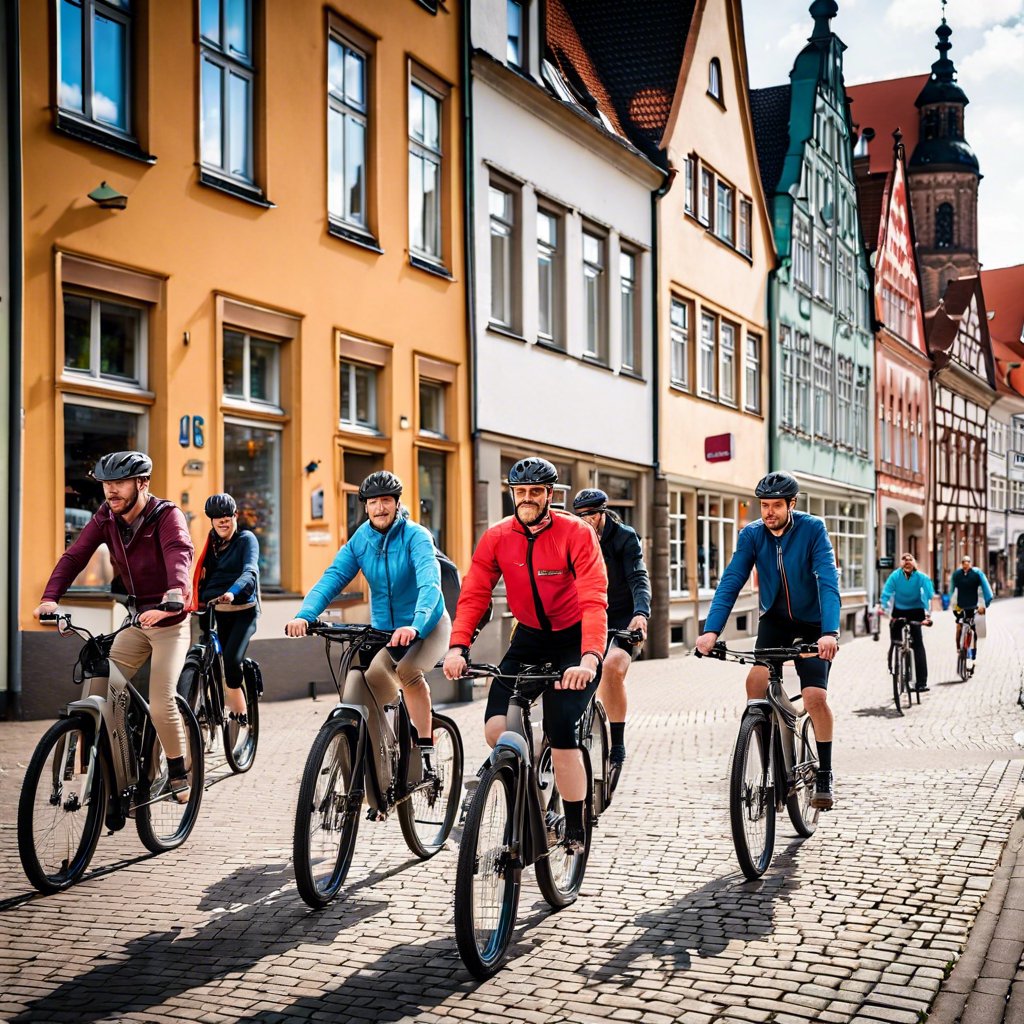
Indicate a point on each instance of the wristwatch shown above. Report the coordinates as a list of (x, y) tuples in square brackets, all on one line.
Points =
[(832, 633), (461, 648)]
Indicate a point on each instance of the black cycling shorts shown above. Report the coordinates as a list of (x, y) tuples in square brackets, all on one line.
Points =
[(781, 631), (563, 709)]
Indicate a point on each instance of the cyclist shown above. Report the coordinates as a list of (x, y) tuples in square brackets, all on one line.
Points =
[(967, 581), (799, 599), (151, 553), (556, 587), (397, 558), (228, 575), (909, 593), (629, 605)]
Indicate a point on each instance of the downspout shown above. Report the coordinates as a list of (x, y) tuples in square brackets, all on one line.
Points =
[(12, 32)]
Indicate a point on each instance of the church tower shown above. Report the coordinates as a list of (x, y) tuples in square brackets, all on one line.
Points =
[(944, 176)]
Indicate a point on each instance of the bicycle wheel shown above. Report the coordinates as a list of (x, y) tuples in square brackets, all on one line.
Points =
[(487, 884), (240, 740), (803, 816), (560, 873), (327, 814), (752, 797), (162, 822), (907, 676), (428, 815), (961, 662), (606, 776), (59, 820), (192, 687)]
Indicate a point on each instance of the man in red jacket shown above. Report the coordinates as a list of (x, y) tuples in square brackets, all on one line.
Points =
[(151, 551), (556, 586)]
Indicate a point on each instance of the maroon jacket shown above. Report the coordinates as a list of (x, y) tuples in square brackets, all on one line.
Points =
[(158, 558)]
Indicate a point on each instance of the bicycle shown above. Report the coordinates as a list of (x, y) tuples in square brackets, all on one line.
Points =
[(774, 763), (968, 646), (901, 665), (366, 751), (509, 826), (101, 762), (201, 684)]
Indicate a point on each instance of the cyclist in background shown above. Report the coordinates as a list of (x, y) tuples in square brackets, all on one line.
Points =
[(909, 593), (965, 583), (228, 575), (629, 606)]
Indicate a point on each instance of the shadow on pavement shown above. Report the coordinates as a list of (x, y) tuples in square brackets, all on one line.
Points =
[(882, 711), (31, 894)]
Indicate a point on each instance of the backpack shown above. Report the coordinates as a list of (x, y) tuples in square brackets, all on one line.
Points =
[(451, 587)]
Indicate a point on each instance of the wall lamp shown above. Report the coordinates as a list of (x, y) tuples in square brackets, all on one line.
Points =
[(311, 467), (107, 198)]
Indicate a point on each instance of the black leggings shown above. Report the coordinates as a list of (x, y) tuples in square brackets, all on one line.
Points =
[(916, 617), (235, 630)]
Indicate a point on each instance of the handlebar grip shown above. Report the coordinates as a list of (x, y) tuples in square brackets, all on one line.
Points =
[(48, 618), (171, 606)]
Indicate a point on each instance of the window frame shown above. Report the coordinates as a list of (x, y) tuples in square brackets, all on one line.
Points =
[(727, 361), (94, 376), (595, 348), (679, 335), (629, 305), (690, 185), (716, 88), (354, 368), (705, 200), (511, 224), (556, 264), (523, 61), (707, 357), (752, 372), (246, 402), (438, 90), (824, 408), (441, 391), (803, 254), (678, 574), (725, 229), (744, 227)]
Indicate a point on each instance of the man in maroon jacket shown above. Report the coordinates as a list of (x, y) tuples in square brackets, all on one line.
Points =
[(151, 551), (556, 586)]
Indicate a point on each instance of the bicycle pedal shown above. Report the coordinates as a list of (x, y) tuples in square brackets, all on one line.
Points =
[(372, 814)]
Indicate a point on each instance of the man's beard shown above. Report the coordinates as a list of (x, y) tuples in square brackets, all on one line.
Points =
[(538, 518), (129, 504)]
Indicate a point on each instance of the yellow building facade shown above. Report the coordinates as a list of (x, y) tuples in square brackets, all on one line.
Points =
[(277, 308)]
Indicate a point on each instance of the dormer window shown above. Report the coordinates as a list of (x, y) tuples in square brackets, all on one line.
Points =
[(715, 79), (514, 18)]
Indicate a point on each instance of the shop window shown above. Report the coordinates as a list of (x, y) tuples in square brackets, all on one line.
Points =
[(252, 369), (716, 537), (252, 475), (677, 544), (432, 478), (358, 396)]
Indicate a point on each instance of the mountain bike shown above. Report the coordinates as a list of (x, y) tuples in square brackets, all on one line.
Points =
[(512, 823), (968, 646), (201, 684), (101, 763), (774, 762), (901, 665), (366, 752)]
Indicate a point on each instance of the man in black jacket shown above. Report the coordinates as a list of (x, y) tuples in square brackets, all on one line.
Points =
[(629, 605)]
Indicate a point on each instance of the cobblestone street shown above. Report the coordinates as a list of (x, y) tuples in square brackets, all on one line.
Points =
[(861, 922)]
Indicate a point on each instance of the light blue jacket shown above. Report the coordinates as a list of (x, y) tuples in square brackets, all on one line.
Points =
[(401, 569), (916, 592)]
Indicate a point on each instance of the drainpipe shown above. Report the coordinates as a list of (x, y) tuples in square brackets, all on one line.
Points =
[(12, 33)]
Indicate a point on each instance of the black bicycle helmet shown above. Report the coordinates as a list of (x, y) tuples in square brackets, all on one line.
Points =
[(123, 466), (382, 484), (532, 471), (220, 505), (777, 485), (590, 499)]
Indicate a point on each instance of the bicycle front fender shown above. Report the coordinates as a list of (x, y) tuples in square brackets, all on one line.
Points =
[(352, 711), (89, 707), (510, 741)]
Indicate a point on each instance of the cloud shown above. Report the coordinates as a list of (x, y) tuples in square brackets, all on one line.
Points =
[(1001, 50), (960, 14), (793, 41)]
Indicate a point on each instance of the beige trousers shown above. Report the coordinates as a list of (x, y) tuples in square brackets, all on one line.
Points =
[(384, 677)]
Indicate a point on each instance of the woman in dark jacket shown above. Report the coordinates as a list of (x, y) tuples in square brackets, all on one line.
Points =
[(228, 574)]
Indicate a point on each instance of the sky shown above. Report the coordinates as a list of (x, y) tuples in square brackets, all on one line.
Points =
[(895, 38)]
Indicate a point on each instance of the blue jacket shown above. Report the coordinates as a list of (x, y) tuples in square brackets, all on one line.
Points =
[(401, 569), (236, 569), (966, 586), (799, 565), (916, 592)]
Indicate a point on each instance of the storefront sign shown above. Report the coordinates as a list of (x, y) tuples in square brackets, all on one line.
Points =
[(886, 561), (718, 448), (319, 538)]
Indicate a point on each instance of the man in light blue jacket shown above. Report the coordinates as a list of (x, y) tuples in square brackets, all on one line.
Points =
[(398, 559), (908, 592)]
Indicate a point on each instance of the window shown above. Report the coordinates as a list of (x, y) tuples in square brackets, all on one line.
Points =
[(251, 369), (432, 478), (727, 363), (425, 158), (628, 294), (746, 215), (679, 341), (549, 275), (252, 473), (796, 378), (227, 78), (594, 295), (689, 175), (706, 385), (502, 207), (944, 226), (801, 252), (359, 396), (706, 184), (915, 444), (752, 374), (621, 491), (846, 522), (822, 390), (716, 537), (787, 407), (105, 341), (95, 62), (432, 408), (724, 211), (844, 402), (823, 282), (677, 544), (347, 132), (516, 26), (715, 79)]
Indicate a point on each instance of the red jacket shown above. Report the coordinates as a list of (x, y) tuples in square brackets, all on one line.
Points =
[(157, 558), (554, 579)]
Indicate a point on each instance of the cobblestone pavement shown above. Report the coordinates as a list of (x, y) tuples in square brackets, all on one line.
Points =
[(859, 923)]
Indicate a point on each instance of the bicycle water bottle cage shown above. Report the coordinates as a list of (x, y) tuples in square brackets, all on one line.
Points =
[(514, 742)]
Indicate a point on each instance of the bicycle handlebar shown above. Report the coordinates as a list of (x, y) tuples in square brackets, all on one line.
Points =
[(65, 627), (530, 673), (762, 655), (633, 636), (348, 632), (913, 622)]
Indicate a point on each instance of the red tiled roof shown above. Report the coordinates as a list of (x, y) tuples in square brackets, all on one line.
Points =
[(1009, 363), (1004, 299), (886, 106)]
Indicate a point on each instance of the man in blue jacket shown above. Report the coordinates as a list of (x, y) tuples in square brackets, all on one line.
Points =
[(397, 558), (910, 594), (799, 598)]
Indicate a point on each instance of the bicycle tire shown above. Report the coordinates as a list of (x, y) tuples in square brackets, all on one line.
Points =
[(165, 824), (752, 797), (803, 816), (907, 674), (483, 944), (560, 873), (240, 742), (332, 758), (606, 775), (34, 808), (897, 697), (961, 663), (428, 815), (192, 688)]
